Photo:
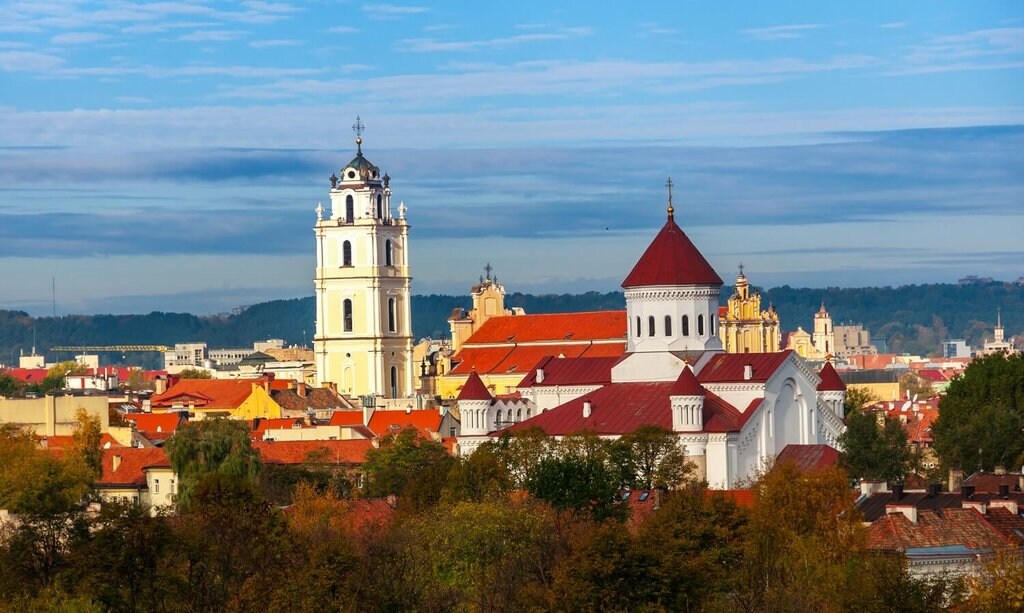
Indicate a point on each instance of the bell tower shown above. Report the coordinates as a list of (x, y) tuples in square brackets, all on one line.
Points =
[(363, 340)]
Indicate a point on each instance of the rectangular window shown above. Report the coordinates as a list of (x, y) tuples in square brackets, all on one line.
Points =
[(156, 486)]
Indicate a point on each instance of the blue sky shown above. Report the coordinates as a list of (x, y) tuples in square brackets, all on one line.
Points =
[(169, 155)]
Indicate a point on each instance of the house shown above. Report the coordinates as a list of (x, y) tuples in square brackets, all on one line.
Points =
[(234, 398), (157, 427), (299, 399), (139, 475)]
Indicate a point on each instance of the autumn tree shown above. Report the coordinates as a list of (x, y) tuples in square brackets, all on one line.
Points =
[(858, 399), (409, 466), (651, 456), (521, 451), (211, 446), (10, 386), (478, 477), (87, 445), (195, 373)]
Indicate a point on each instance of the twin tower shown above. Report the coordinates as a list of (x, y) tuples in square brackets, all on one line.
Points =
[(363, 340)]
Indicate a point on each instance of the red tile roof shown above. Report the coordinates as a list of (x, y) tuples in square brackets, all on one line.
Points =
[(27, 375), (808, 458), (131, 464), (671, 259), (989, 482), (573, 371), (383, 423), (60, 443), (830, 381), (562, 327), (1007, 523), (942, 528), (728, 367), (521, 359), (347, 418), (208, 393), (474, 389), (686, 384), (932, 375), (260, 426), (158, 425), (741, 498), (313, 452)]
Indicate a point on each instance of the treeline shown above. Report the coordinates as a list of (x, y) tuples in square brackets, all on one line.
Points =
[(523, 524), (912, 318)]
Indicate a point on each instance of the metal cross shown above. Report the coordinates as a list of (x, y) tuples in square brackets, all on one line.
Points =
[(358, 127), (669, 185), (741, 268), (488, 268)]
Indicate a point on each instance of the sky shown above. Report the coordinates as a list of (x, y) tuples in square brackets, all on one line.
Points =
[(169, 155)]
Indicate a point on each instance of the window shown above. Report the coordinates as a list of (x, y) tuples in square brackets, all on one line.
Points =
[(346, 253), (391, 315), (156, 486), (350, 209), (712, 326), (394, 382), (700, 325), (686, 325), (380, 206), (638, 327), (388, 253), (347, 314), (668, 325), (650, 325)]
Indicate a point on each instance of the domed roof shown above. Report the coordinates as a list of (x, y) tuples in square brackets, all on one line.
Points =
[(360, 166), (671, 259)]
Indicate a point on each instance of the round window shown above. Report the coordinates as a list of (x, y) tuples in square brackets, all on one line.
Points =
[(351, 174)]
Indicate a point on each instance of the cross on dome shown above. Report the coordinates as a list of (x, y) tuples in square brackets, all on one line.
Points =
[(358, 128), (671, 209)]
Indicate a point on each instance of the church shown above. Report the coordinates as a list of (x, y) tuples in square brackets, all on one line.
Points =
[(733, 412)]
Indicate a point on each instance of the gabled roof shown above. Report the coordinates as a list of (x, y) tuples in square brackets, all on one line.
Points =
[(260, 426), (561, 327), (830, 381), (474, 389), (728, 367), (521, 359), (808, 458), (208, 393), (347, 418), (316, 398), (671, 259), (944, 528), (572, 371), (989, 482), (383, 423), (686, 384), (313, 452), (131, 464), (157, 425)]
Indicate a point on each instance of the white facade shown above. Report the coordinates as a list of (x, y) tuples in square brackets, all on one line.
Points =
[(363, 340), (672, 318)]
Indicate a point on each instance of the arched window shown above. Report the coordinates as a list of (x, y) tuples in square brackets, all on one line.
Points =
[(347, 314), (380, 206), (350, 209), (668, 325), (394, 382), (686, 325), (650, 325), (638, 327), (388, 253), (391, 315), (700, 325), (519, 415), (711, 327), (346, 253)]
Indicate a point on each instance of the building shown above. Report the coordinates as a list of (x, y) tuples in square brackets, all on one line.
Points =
[(488, 301), (817, 345), (52, 415), (139, 475), (852, 339), (956, 348), (363, 340), (999, 344), (734, 413), (233, 398), (744, 327)]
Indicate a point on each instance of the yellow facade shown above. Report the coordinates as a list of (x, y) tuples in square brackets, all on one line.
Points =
[(488, 301), (744, 327), (882, 391), (258, 404), (505, 383)]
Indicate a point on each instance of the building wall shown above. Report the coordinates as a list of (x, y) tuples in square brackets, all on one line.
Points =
[(52, 415)]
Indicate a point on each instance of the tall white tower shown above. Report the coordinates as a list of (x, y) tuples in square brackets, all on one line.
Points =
[(363, 340)]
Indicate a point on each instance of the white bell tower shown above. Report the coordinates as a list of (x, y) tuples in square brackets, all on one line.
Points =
[(363, 340)]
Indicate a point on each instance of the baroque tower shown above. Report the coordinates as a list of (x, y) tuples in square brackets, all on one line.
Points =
[(363, 340), (744, 327)]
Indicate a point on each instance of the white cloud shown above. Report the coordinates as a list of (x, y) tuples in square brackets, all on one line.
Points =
[(781, 32), (342, 30), (893, 25), (77, 38), (270, 7), (263, 44), (211, 36), (427, 45), (391, 11), (28, 61)]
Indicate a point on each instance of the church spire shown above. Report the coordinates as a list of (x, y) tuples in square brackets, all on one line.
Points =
[(671, 209), (358, 128)]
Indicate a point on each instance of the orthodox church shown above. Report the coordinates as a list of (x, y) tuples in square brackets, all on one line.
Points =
[(733, 412), (363, 339)]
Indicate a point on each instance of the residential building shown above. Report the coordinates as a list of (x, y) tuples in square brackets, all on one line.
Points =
[(956, 348), (203, 398), (852, 339), (52, 415), (139, 475)]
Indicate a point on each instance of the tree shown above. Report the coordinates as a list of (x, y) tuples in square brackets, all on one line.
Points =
[(981, 417), (137, 381), (651, 456), (857, 399), (211, 446), (582, 485), (86, 436), (521, 451), (1000, 587), (479, 477), (409, 466), (10, 386), (874, 452), (195, 373)]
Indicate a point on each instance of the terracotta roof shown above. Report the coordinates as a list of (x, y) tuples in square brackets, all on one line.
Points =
[(944, 528), (383, 423), (873, 506), (522, 358), (728, 367), (573, 371), (741, 498), (131, 464), (932, 375), (808, 458), (260, 426), (60, 443), (474, 389), (671, 259), (989, 483), (576, 327), (1006, 523), (208, 393), (157, 425), (686, 384), (27, 375), (310, 452), (347, 418), (830, 381), (316, 398)]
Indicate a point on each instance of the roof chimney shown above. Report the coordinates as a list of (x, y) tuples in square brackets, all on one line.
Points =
[(1004, 490), (956, 479), (934, 489), (748, 372), (897, 491), (586, 409), (908, 510), (1000, 470), (540, 375), (967, 491)]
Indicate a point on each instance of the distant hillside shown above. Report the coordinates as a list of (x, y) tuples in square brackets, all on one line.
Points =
[(912, 318)]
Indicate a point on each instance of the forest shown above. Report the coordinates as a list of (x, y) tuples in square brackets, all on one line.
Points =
[(911, 319)]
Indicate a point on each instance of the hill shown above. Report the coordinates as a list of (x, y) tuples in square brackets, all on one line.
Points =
[(913, 318)]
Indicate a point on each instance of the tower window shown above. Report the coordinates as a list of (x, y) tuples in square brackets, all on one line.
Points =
[(346, 253), (711, 326), (700, 325), (380, 206), (638, 327), (347, 314), (686, 325), (350, 209), (650, 325), (391, 315), (668, 325), (388, 253), (394, 382)]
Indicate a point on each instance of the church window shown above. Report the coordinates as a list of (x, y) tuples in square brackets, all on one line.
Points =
[(700, 325), (350, 209), (394, 382), (346, 253), (380, 206), (650, 325), (391, 315), (347, 314), (519, 415), (668, 325), (388, 253), (711, 325), (686, 325), (638, 327)]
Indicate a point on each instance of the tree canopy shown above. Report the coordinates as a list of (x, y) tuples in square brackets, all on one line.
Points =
[(211, 447)]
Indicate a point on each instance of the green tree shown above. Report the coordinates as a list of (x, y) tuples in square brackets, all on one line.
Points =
[(211, 446), (874, 451), (981, 417), (521, 451), (481, 476), (651, 456), (586, 486), (408, 466), (87, 434), (195, 373), (857, 399), (10, 386)]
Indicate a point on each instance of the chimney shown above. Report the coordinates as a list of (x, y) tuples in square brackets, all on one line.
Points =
[(300, 389), (977, 505), (1000, 470), (115, 462), (956, 479), (392, 500), (908, 510), (1004, 490), (897, 491), (1009, 505), (540, 375), (868, 487), (748, 372), (967, 491), (934, 489), (586, 409)]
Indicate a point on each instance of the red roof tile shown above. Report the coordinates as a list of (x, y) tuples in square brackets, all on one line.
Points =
[(521, 359), (808, 458), (313, 452), (686, 384), (989, 482), (942, 528), (563, 327), (262, 425), (131, 463), (830, 381), (208, 393), (27, 375), (671, 259), (383, 423), (164, 424), (741, 498), (573, 371), (932, 375), (347, 418), (474, 389), (728, 367)]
